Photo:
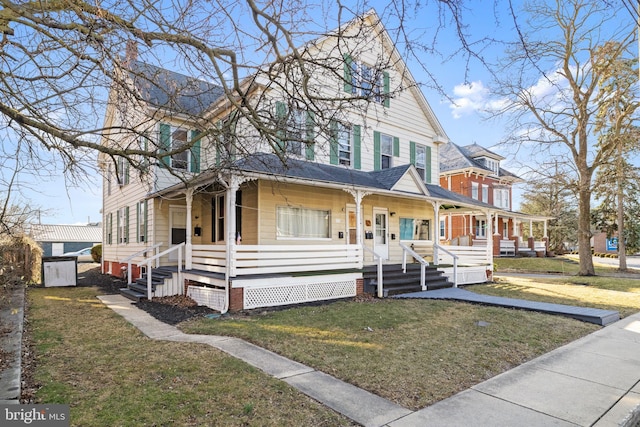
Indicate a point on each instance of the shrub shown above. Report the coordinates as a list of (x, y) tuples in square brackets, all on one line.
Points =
[(96, 253)]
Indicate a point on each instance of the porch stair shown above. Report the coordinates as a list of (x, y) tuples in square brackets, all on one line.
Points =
[(138, 289), (395, 281)]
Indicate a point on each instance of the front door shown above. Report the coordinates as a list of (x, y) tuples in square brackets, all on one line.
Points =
[(178, 228), (381, 232), (352, 224)]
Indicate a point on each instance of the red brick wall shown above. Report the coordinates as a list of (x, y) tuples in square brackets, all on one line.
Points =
[(236, 299), (359, 286)]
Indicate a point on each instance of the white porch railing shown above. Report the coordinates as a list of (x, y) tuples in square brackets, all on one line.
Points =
[(423, 263), (154, 248), (437, 250), (467, 255), (149, 261), (269, 259), (378, 259)]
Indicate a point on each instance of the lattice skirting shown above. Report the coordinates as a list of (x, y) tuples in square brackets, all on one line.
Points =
[(212, 298), (295, 293)]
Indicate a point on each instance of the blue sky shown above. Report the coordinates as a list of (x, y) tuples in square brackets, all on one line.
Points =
[(464, 82)]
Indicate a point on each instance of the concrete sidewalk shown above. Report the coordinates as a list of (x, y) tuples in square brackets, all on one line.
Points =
[(594, 381)]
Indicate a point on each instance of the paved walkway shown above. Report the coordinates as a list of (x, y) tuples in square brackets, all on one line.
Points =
[(594, 381), (586, 314)]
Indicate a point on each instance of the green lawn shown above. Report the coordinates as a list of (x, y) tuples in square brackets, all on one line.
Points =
[(111, 375)]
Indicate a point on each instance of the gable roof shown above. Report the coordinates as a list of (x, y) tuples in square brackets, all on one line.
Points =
[(66, 233), (162, 88)]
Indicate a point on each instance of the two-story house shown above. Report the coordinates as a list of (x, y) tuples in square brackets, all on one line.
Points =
[(245, 219), (476, 172)]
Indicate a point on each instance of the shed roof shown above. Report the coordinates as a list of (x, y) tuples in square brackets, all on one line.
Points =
[(66, 233)]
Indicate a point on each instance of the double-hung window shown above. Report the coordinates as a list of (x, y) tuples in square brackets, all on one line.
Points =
[(501, 197), (364, 80), (123, 224), (386, 151), (123, 171), (485, 193), (345, 144), (295, 130), (174, 138), (421, 160), (474, 190), (141, 221), (302, 223)]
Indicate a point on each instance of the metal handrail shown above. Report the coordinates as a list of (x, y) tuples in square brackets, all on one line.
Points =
[(423, 263), (379, 262), (455, 257), (131, 257)]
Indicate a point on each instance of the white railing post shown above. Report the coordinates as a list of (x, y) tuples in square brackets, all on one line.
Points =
[(455, 263), (380, 286), (423, 263), (149, 277)]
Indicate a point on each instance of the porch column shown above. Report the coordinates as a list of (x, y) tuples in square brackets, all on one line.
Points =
[(545, 229), (232, 189), (515, 227), (188, 247), (358, 199), (436, 214), (496, 227), (489, 238)]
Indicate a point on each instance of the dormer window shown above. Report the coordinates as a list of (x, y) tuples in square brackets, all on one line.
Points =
[(491, 164)]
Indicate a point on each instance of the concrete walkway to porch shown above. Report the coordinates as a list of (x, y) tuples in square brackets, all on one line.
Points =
[(586, 314), (594, 381)]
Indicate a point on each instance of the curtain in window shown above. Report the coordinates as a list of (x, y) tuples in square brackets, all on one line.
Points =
[(302, 223)]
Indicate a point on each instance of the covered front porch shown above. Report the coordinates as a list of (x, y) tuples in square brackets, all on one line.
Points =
[(256, 239)]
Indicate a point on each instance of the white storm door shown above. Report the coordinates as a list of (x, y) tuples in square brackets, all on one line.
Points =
[(381, 232), (177, 228)]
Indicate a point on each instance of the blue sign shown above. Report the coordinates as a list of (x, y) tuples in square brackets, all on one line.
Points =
[(612, 244)]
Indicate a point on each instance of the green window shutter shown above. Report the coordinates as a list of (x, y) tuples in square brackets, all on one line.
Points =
[(195, 152), (427, 160), (376, 151), (357, 138), (144, 222), (348, 73), (333, 143), (386, 87), (138, 220), (281, 113), (412, 152), (118, 236), (165, 144), (396, 146), (310, 143), (126, 224), (109, 228)]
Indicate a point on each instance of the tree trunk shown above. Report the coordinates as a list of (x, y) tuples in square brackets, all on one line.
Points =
[(622, 249), (584, 234)]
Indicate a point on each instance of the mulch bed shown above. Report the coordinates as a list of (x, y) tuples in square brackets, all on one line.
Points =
[(170, 310)]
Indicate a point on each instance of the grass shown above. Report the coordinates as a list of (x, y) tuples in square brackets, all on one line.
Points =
[(112, 375), (412, 352)]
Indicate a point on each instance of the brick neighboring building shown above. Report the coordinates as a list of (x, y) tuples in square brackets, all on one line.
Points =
[(476, 172)]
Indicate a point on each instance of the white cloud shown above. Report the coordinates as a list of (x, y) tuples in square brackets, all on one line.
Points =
[(469, 98)]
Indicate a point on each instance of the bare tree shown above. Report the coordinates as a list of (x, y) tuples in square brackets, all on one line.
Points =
[(551, 85)]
